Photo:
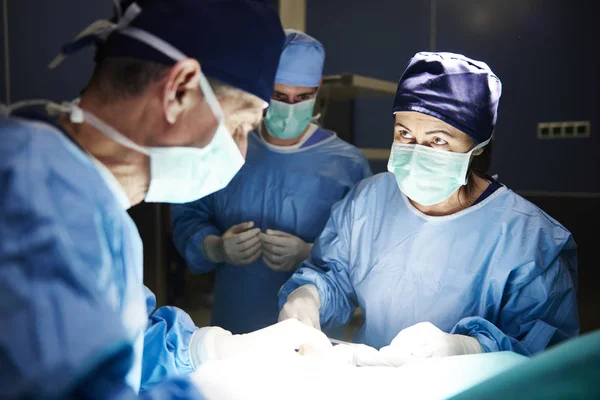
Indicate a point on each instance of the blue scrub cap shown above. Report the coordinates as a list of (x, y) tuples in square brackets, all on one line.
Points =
[(302, 59), (237, 42), (460, 91)]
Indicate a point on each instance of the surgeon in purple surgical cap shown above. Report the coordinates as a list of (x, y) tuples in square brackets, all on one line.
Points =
[(442, 259)]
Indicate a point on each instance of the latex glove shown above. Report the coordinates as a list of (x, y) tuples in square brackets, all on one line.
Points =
[(303, 304), (359, 355), (422, 341), (289, 336), (283, 252), (240, 245)]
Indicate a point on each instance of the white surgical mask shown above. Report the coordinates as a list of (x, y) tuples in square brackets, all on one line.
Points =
[(184, 174), (288, 121), (426, 175), (178, 174)]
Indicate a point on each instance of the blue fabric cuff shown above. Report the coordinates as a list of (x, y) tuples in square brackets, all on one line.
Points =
[(490, 337), (538, 337), (166, 346), (193, 251), (292, 284)]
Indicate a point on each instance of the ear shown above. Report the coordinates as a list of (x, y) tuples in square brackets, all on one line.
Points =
[(478, 151), (180, 87)]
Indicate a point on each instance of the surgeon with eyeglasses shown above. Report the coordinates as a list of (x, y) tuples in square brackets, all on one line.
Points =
[(442, 259)]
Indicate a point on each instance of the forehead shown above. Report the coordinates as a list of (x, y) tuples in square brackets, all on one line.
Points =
[(292, 90), (418, 121)]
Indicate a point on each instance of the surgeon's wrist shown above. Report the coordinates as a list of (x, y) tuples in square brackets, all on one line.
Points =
[(213, 249), (204, 345), (307, 251), (308, 292)]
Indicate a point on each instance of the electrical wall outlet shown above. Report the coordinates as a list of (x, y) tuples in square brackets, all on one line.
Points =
[(563, 130)]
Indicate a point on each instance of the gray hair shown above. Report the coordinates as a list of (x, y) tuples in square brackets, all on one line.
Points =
[(117, 78)]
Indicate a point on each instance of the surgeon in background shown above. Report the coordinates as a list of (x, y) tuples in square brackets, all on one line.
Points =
[(442, 259), (258, 230), (76, 320)]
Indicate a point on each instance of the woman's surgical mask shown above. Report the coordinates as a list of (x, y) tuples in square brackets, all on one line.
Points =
[(178, 174), (288, 121), (426, 175)]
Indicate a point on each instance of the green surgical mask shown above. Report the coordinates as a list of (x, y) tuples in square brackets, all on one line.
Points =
[(288, 121), (426, 175)]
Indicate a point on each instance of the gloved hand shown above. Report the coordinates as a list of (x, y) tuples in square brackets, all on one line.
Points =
[(240, 245), (303, 304), (356, 354), (214, 343), (421, 341), (283, 252)]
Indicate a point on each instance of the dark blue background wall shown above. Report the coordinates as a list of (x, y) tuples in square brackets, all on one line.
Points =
[(2, 71), (544, 51), (37, 30)]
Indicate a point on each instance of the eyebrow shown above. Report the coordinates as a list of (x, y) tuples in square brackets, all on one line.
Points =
[(402, 126), (299, 94), (448, 133), (445, 132), (314, 91)]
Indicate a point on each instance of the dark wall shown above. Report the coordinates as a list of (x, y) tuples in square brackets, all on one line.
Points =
[(274, 3), (36, 38), (579, 215), (544, 52), (3, 99)]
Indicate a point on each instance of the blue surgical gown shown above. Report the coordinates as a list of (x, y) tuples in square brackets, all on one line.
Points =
[(75, 316), (290, 190), (501, 271)]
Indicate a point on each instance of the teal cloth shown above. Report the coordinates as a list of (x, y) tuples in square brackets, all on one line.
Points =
[(568, 371)]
